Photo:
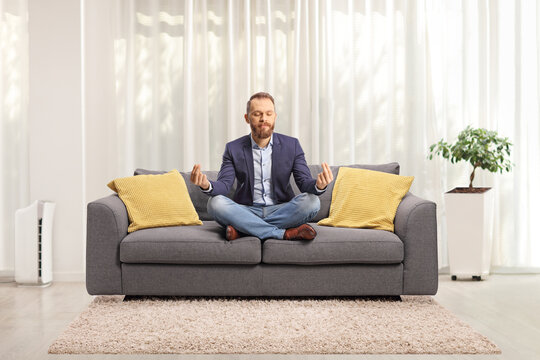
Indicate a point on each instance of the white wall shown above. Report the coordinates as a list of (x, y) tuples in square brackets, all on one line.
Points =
[(56, 165)]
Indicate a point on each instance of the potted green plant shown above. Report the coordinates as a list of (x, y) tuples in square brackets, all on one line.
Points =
[(480, 147), (469, 210)]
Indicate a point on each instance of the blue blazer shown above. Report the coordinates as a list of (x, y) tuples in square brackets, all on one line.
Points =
[(287, 157)]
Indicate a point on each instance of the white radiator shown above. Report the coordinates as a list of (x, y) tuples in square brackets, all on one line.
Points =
[(33, 244)]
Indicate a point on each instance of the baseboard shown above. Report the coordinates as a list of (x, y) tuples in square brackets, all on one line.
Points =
[(7, 276), (514, 270), (445, 270), (69, 276)]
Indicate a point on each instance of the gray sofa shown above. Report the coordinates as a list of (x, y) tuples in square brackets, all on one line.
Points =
[(197, 260)]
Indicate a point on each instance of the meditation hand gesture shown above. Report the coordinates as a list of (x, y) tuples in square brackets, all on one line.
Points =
[(324, 178), (198, 178)]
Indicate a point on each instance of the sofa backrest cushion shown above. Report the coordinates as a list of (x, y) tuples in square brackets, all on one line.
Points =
[(200, 199)]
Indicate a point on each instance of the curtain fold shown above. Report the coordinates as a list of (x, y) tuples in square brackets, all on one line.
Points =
[(14, 186), (356, 81)]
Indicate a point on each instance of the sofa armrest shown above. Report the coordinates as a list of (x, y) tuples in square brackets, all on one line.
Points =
[(107, 224), (416, 225)]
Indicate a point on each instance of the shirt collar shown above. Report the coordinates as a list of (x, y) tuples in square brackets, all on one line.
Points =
[(254, 144)]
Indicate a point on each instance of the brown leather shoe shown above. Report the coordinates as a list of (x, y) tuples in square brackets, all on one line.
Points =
[(302, 232), (231, 233)]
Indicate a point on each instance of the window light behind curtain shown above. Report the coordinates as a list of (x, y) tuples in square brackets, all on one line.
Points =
[(13, 125), (356, 81)]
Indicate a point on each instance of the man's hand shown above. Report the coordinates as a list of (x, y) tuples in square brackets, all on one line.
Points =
[(324, 178), (198, 178)]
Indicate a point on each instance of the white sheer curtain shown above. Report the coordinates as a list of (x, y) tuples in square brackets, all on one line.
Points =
[(13, 125), (356, 81), (484, 70)]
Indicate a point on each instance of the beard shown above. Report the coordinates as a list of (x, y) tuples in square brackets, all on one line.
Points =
[(261, 133)]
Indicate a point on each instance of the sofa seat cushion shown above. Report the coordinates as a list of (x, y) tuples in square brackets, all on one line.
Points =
[(204, 244), (334, 245)]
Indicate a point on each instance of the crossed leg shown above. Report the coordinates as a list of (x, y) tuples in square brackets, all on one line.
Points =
[(264, 222)]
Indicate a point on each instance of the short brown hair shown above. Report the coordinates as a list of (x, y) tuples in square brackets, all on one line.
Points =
[(259, 95)]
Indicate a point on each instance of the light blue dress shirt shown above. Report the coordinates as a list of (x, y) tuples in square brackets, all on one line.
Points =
[(262, 166)]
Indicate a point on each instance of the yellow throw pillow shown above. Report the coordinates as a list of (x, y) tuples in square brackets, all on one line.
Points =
[(366, 199), (156, 200)]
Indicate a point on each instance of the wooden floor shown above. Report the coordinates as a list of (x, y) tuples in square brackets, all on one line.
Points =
[(505, 308)]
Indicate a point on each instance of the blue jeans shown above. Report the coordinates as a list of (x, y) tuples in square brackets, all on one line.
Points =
[(264, 222)]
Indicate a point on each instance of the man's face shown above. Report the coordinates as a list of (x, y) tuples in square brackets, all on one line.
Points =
[(261, 118)]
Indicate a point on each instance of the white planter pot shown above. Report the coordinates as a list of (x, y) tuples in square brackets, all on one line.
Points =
[(469, 218)]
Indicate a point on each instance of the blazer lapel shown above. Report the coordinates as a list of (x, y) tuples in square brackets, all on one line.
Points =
[(248, 156)]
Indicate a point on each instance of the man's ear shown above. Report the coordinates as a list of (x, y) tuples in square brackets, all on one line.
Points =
[(246, 117)]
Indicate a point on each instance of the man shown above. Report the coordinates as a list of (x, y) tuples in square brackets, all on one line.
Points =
[(264, 204)]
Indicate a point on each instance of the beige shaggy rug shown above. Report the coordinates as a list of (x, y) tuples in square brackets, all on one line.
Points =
[(177, 325)]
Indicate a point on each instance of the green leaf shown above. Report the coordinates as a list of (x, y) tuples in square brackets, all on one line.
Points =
[(480, 147)]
